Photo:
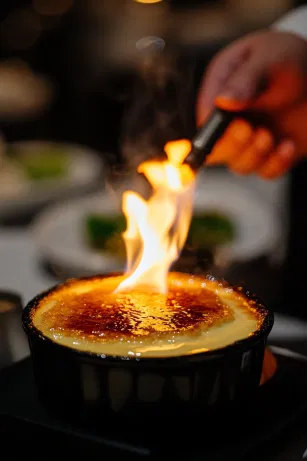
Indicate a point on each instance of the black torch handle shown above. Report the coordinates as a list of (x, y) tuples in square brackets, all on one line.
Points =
[(206, 137)]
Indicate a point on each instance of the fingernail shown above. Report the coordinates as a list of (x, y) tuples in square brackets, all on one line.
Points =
[(264, 142), (240, 131), (229, 102), (287, 148)]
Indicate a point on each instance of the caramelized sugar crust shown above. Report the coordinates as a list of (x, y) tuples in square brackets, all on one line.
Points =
[(100, 314)]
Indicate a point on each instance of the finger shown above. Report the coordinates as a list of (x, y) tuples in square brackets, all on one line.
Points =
[(219, 71), (245, 83), (236, 138), (255, 155), (286, 85), (279, 162)]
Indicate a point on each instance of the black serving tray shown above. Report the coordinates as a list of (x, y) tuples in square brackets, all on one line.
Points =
[(24, 424)]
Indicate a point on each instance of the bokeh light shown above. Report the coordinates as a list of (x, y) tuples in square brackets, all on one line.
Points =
[(148, 1)]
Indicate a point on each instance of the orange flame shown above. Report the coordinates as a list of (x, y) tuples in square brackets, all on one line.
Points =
[(157, 228)]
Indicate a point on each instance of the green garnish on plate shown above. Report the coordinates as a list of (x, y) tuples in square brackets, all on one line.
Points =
[(45, 163), (208, 230), (105, 233)]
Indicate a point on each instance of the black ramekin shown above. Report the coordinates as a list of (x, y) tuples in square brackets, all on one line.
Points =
[(88, 387)]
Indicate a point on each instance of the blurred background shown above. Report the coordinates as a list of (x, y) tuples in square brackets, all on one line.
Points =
[(88, 89)]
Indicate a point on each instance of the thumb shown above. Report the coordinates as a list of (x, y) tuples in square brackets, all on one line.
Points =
[(219, 71), (244, 85)]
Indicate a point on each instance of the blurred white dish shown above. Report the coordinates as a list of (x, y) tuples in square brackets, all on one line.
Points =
[(59, 235), (18, 193), (257, 224), (59, 232)]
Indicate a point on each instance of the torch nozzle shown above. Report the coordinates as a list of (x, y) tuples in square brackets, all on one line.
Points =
[(207, 136)]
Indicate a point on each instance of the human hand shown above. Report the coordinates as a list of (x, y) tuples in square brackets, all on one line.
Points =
[(265, 75)]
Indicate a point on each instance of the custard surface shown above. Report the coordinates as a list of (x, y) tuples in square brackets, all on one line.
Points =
[(196, 315)]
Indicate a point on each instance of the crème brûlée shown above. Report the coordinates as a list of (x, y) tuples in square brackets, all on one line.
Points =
[(196, 315)]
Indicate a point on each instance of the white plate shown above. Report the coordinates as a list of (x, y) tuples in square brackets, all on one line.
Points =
[(85, 169), (59, 234), (59, 231), (257, 224)]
